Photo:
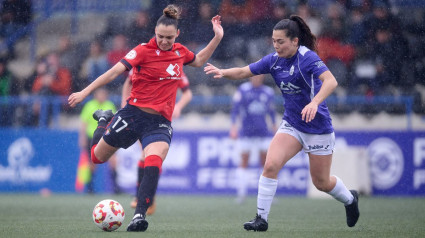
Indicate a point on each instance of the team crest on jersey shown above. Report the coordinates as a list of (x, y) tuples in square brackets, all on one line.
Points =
[(131, 55), (157, 52), (291, 71), (177, 53)]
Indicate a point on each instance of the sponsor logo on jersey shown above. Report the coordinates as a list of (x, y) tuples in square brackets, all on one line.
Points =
[(289, 88), (277, 67), (177, 53), (131, 55), (319, 64), (173, 70)]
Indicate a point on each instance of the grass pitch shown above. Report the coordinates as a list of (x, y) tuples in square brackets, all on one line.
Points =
[(31, 215)]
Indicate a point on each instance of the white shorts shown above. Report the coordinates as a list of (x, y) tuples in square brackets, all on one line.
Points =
[(246, 144), (312, 143)]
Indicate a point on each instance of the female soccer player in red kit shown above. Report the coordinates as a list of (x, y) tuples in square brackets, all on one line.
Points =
[(157, 67)]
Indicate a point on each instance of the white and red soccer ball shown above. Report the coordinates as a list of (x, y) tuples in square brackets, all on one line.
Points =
[(108, 215)]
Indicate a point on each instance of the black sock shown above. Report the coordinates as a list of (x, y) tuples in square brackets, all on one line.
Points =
[(147, 189), (98, 133), (140, 172)]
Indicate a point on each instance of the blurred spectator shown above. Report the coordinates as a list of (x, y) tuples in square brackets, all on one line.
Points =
[(88, 126), (15, 15), (199, 41), (356, 28), (140, 30), (240, 18), (70, 58), (52, 79), (8, 87), (96, 63), (381, 16), (332, 49), (390, 53), (119, 50), (309, 16), (261, 44)]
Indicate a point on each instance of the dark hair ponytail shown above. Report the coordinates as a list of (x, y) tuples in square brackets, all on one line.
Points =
[(170, 16), (295, 26)]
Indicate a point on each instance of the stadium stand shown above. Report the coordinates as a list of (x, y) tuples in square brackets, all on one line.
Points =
[(397, 101)]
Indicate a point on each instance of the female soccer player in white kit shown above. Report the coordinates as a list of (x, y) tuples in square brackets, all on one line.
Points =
[(305, 82)]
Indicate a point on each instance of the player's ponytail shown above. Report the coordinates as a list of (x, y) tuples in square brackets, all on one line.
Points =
[(295, 26), (170, 16)]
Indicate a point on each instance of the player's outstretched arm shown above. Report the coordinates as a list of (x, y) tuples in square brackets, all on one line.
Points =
[(205, 53), (102, 80), (232, 73)]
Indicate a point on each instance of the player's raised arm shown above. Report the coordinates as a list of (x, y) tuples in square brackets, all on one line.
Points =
[(232, 73), (102, 80), (205, 54)]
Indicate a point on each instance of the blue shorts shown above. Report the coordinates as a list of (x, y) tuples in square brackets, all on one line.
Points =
[(131, 124)]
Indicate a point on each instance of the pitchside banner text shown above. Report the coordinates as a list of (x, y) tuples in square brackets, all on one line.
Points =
[(201, 163)]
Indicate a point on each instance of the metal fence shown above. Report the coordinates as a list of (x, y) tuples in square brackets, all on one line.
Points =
[(49, 108)]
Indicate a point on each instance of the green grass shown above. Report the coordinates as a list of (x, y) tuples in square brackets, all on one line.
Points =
[(25, 215)]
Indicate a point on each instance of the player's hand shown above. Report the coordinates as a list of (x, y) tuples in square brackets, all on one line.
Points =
[(309, 112), (217, 28), (211, 69), (75, 98)]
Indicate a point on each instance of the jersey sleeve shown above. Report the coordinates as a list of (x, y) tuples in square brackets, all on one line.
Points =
[(189, 56), (184, 82), (134, 57), (262, 66), (314, 65)]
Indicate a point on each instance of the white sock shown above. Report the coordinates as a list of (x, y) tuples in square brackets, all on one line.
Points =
[(242, 182), (266, 191), (341, 193)]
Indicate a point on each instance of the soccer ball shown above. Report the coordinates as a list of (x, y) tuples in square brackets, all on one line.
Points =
[(108, 215)]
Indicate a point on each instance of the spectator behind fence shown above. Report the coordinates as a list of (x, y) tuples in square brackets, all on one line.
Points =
[(96, 63), (119, 50), (71, 58), (309, 16), (52, 79), (140, 30), (198, 41), (15, 15), (239, 17), (261, 44), (8, 87), (332, 47)]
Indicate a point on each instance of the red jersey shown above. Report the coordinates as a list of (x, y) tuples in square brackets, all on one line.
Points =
[(156, 75)]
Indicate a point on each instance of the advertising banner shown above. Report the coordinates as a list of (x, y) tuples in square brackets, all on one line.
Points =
[(202, 162)]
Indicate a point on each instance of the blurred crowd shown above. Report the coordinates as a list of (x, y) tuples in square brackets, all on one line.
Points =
[(373, 47)]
